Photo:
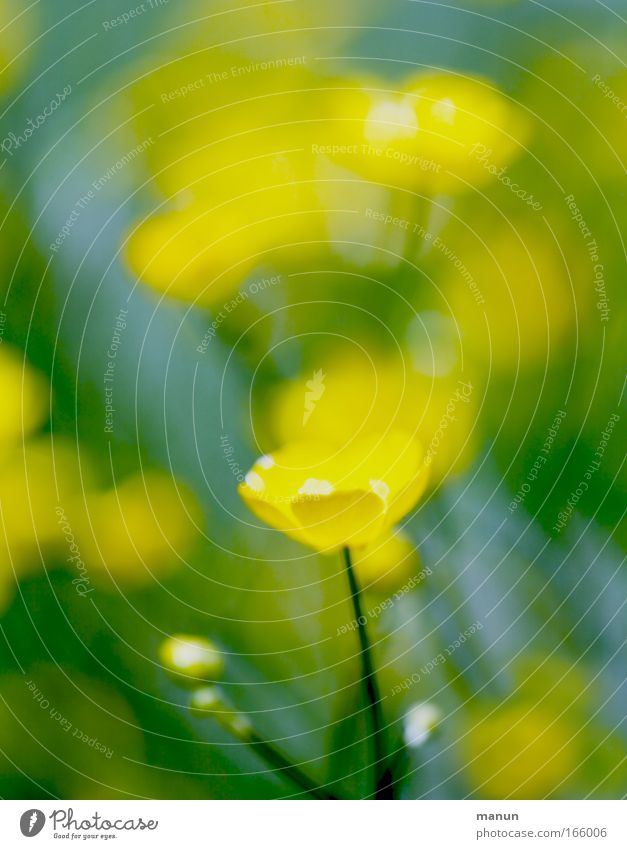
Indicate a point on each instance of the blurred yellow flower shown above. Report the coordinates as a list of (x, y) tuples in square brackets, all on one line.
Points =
[(202, 253), (529, 303), (365, 394), (42, 474), (138, 531), (241, 174), (387, 563), (37, 477), (191, 660), (520, 752), (25, 398), (330, 499), (439, 132)]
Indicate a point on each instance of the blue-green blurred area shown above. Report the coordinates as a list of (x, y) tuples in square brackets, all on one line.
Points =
[(532, 702)]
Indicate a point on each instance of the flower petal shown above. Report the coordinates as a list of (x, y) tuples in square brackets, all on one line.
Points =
[(391, 465), (329, 522), (275, 480), (329, 498)]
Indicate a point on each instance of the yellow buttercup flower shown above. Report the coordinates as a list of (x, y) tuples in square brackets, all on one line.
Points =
[(462, 119), (330, 499), (434, 131)]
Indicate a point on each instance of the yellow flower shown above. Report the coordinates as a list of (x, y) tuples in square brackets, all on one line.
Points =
[(529, 308), (367, 394), (191, 659), (520, 752), (39, 483), (139, 530), (433, 132), (387, 563), (203, 252), (462, 118), (241, 174), (329, 499), (25, 395)]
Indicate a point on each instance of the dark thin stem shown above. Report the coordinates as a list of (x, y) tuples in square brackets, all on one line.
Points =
[(384, 784), (279, 762)]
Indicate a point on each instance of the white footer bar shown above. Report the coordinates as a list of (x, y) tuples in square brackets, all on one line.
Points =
[(319, 825)]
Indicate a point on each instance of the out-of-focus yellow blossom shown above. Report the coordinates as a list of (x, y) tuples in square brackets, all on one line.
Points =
[(138, 531), (40, 477), (528, 299), (360, 394), (191, 659), (142, 527), (25, 395), (206, 112), (39, 483), (329, 499), (238, 156), (438, 132), (214, 142), (241, 158), (203, 254), (387, 563), (520, 752)]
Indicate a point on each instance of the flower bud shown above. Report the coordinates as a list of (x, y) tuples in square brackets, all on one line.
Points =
[(208, 702), (419, 723), (188, 659)]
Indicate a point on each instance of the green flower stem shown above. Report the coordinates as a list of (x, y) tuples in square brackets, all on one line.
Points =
[(208, 703), (384, 783), (280, 763)]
